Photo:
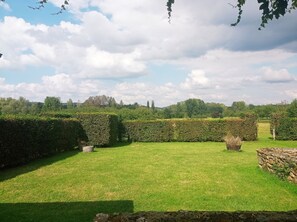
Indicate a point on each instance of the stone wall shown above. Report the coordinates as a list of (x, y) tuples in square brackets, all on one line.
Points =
[(199, 216), (280, 161)]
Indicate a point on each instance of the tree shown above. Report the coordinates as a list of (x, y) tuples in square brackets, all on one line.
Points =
[(167, 113), (100, 101), (238, 106), (195, 107), (215, 110), (271, 9), (153, 105), (70, 104), (14, 106), (52, 104), (292, 110)]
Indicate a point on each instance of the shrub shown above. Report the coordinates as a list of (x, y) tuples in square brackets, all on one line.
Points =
[(23, 139), (285, 127), (233, 143)]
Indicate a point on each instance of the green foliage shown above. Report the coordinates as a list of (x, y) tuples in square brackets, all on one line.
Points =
[(285, 127), (195, 107), (100, 101), (169, 7), (14, 106), (271, 9), (292, 109), (23, 139), (52, 104), (70, 104), (149, 131), (101, 129), (191, 130)]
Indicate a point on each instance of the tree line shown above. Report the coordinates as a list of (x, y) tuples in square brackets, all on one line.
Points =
[(190, 108)]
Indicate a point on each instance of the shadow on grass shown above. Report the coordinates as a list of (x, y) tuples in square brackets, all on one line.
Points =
[(72, 211), (9, 173), (117, 145)]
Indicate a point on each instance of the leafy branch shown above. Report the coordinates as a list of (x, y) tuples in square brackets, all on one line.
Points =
[(169, 8), (271, 9), (41, 4)]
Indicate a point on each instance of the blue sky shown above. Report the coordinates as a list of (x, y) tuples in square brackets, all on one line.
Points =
[(128, 50)]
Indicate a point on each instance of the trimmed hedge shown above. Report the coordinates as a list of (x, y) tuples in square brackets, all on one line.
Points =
[(101, 129), (26, 139), (285, 127), (149, 131), (191, 130)]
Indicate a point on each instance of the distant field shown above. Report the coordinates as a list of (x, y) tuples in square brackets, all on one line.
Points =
[(143, 177)]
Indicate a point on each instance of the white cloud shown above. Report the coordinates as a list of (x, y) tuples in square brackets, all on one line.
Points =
[(196, 78), (291, 93), (119, 40), (276, 76), (5, 6)]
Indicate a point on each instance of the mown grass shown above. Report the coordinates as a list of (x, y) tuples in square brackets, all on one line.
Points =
[(134, 177)]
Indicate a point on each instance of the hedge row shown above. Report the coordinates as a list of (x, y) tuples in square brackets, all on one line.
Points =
[(285, 127), (101, 129), (191, 130), (25, 139)]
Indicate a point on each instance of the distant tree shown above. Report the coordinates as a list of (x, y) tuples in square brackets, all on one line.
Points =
[(292, 109), (148, 104), (180, 111), (215, 110), (36, 108), (15, 106), (195, 108), (52, 104), (112, 102), (121, 103), (70, 104), (153, 105), (239, 106), (100, 101), (167, 113)]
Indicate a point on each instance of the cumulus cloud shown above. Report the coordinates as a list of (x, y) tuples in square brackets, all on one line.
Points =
[(111, 46), (196, 78), (276, 76)]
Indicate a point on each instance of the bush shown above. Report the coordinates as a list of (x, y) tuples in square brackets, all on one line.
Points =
[(285, 127), (233, 143), (101, 129), (23, 139)]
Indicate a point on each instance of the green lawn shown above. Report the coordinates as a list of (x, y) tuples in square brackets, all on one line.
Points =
[(134, 177)]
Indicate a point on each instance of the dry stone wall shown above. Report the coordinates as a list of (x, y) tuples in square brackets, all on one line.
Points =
[(199, 216), (280, 161)]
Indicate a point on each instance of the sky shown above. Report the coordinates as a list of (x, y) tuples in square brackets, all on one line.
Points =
[(127, 49)]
